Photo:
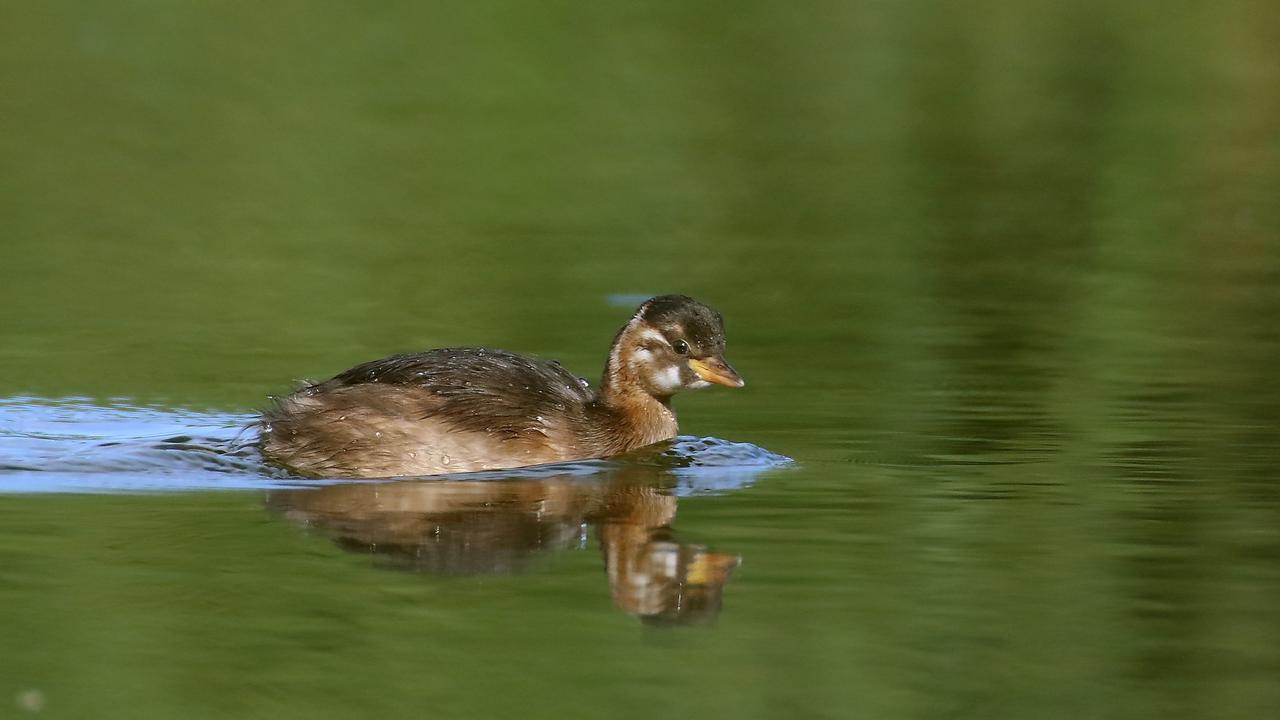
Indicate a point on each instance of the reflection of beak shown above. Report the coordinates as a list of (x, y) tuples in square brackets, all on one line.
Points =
[(716, 370), (711, 568)]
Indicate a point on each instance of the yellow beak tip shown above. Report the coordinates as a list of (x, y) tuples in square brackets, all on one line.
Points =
[(718, 372)]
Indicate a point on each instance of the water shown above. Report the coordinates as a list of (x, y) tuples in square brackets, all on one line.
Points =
[(74, 445), (1003, 281)]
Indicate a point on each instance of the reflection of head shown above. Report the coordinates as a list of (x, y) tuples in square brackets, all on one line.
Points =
[(660, 580)]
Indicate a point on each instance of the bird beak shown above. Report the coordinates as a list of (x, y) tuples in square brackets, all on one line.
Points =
[(716, 370)]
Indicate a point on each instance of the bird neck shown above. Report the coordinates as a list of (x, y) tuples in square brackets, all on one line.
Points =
[(632, 417), (632, 420)]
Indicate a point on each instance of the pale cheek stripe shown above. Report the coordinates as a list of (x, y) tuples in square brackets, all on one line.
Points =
[(653, 336), (615, 360)]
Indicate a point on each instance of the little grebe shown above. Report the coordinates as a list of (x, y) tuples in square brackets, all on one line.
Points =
[(468, 409)]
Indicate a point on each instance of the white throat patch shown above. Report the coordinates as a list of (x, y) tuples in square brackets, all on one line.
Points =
[(668, 380)]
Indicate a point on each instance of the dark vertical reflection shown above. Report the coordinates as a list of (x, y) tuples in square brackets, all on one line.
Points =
[(1010, 191)]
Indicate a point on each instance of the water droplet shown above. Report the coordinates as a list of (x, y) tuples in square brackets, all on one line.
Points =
[(31, 700), (444, 459)]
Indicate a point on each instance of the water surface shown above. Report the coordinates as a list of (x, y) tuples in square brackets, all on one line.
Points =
[(1003, 280)]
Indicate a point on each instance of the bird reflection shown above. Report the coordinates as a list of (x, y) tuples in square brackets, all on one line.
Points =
[(501, 525)]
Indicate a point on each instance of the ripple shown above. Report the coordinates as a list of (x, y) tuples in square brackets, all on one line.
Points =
[(79, 445)]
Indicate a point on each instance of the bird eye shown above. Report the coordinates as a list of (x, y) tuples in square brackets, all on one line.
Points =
[(680, 346)]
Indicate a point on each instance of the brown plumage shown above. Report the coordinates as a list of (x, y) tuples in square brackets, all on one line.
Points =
[(468, 409), (468, 527)]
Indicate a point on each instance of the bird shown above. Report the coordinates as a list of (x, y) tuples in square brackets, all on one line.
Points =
[(467, 409)]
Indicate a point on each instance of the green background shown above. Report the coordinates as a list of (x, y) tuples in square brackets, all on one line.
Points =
[(1003, 277)]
